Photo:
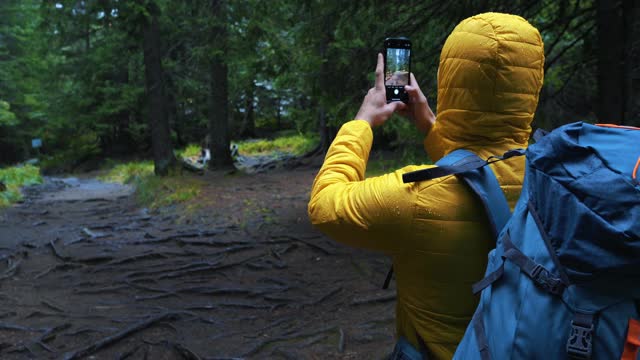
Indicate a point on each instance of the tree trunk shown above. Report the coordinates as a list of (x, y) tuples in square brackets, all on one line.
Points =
[(631, 10), (175, 122), (163, 158), (325, 137), (611, 62), (324, 91), (219, 112)]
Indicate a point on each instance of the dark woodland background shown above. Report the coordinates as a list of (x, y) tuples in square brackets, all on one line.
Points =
[(108, 78)]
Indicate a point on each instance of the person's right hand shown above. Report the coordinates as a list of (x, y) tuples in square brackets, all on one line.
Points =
[(418, 110), (374, 108)]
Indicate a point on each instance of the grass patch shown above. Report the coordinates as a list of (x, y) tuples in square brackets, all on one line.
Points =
[(293, 144), (128, 173), (189, 151), (287, 142), (14, 178), (154, 191)]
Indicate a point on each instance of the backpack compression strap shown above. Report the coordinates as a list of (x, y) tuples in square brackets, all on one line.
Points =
[(474, 172)]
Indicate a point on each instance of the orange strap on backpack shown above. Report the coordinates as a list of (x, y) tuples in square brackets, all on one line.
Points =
[(632, 344)]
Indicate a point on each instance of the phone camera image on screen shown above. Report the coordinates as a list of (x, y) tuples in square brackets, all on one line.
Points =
[(397, 67)]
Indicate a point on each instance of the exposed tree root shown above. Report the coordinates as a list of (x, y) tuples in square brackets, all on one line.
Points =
[(324, 297), (66, 266), (109, 340), (305, 335), (12, 268), (178, 237), (374, 299), (311, 244), (87, 260)]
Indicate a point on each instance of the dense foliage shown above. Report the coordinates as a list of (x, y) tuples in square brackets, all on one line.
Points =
[(81, 74)]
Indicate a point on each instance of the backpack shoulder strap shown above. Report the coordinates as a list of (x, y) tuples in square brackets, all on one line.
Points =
[(480, 178)]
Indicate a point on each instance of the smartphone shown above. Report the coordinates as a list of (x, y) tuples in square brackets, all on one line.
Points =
[(397, 67)]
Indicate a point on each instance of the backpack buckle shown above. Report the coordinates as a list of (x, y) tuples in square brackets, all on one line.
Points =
[(580, 342), (546, 281)]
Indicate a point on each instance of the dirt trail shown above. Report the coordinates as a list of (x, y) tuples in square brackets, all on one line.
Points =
[(86, 273)]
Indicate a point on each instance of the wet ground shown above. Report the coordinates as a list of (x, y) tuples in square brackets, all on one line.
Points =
[(85, 272)]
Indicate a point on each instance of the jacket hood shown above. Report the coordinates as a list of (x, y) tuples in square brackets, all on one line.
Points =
[(489, 79)]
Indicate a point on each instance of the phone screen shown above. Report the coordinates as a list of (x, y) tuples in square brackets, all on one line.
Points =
[(397, 67)]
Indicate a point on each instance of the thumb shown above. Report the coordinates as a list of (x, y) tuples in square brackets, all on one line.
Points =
[(415, 94), (414, 89), (396, 106), (414, 83)]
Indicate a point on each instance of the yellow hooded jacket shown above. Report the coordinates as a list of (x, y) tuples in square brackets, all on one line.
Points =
[(490, 75)]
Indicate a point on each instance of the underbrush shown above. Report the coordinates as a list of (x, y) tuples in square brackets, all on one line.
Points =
[(293, 144), (13, 179), (154, 191), (79, 149)]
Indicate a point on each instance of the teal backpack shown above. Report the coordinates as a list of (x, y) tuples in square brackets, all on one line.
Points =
[(564, 279)]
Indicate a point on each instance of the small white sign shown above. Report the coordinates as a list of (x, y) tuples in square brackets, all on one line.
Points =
[(36, 143)]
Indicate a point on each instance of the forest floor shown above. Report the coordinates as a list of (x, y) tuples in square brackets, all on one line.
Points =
[(86, 272)]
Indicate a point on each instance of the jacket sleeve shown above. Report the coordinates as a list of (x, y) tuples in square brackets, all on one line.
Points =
[(370, 213)]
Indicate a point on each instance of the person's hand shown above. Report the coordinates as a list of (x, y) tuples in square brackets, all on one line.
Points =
[(418, 109), (374, 108)]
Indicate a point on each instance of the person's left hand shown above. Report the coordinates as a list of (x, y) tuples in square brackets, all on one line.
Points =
[(418, 109), (374, 108)]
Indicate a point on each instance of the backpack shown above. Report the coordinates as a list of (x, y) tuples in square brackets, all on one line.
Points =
[(564, 279)]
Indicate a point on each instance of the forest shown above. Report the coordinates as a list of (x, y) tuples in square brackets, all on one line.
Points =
[(96, 79), (110, 249)]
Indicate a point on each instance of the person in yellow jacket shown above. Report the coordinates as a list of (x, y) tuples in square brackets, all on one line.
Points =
[(436, 231)]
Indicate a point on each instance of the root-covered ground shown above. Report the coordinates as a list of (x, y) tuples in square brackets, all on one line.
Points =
[(85, 272)]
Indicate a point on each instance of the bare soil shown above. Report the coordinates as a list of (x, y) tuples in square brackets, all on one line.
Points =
[(85, 272)]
